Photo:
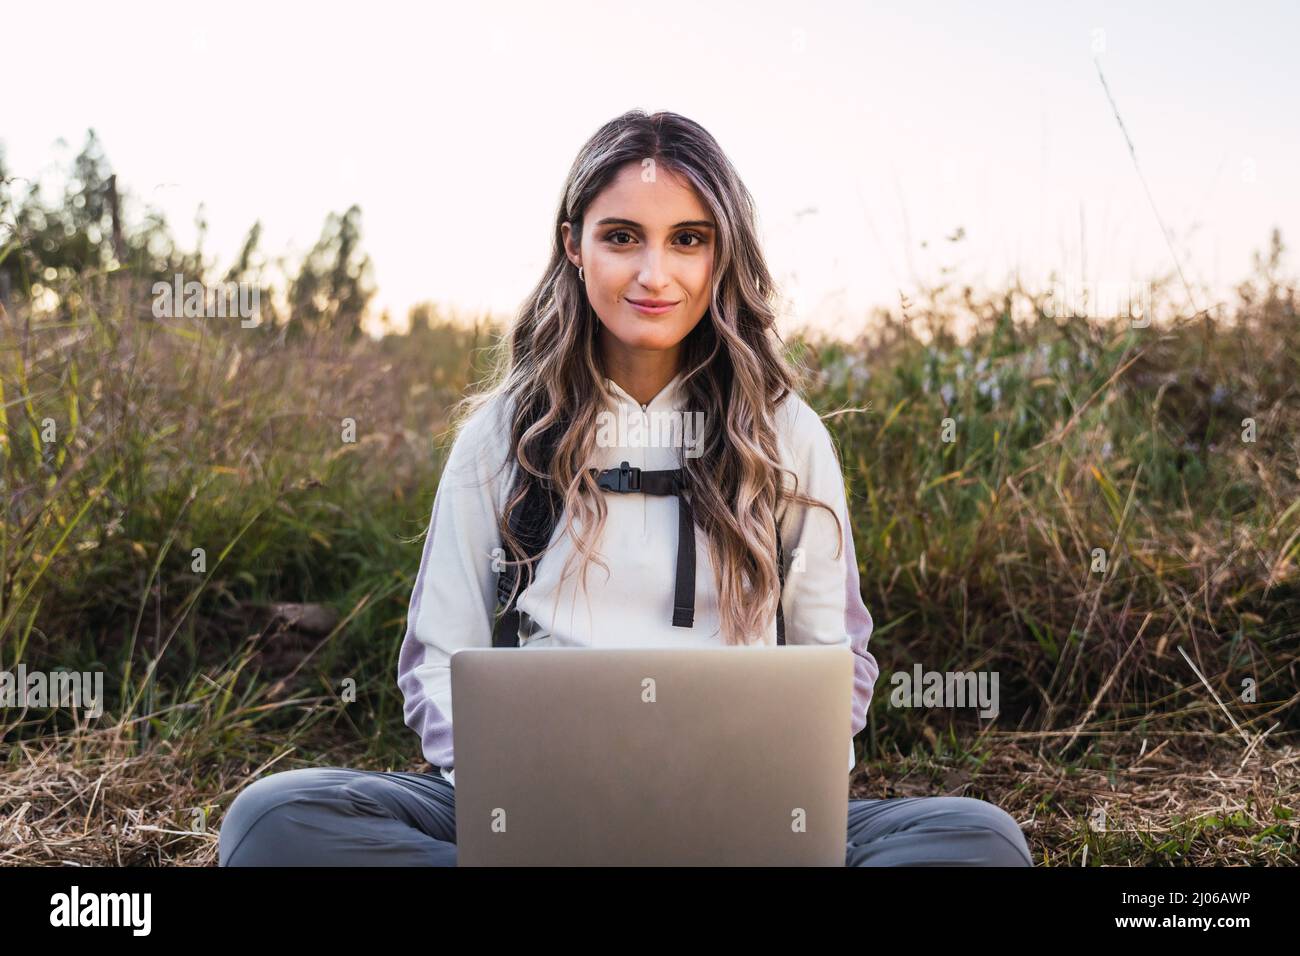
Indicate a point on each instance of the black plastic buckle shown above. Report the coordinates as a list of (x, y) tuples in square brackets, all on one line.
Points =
[(624, 478)]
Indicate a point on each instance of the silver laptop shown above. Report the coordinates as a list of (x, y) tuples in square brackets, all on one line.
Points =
[(723, 756)]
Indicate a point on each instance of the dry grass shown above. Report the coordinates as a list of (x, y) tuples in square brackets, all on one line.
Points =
[(91, 800), (1185, 800)]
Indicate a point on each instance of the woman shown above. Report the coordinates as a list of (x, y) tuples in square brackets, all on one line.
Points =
[(653, 318)]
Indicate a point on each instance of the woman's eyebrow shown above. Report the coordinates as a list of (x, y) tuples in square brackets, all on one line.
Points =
[(614, 221)]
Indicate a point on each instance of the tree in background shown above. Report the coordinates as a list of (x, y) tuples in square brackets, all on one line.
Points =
[(335, 283), (85, 245)]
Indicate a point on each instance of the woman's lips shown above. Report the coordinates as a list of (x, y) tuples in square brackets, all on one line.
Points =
[(651, 309)]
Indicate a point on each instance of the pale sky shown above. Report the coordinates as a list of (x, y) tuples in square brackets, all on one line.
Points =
[(862, 129)]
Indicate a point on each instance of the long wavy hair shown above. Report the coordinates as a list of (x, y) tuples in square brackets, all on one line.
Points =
[(553, 386)]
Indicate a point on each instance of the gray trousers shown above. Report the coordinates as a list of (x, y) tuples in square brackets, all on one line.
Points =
[(337, 816)]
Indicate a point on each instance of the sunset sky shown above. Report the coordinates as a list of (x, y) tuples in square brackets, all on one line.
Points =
[(867, 132)]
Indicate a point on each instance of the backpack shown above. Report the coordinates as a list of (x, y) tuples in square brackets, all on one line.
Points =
[(534, 521)]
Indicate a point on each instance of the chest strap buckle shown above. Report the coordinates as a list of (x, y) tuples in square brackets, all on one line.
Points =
[(622, 479)]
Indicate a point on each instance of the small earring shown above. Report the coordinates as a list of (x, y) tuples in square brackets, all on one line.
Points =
[(580, 279)]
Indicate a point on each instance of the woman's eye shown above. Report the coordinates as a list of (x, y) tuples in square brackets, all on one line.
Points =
[(613, 236)]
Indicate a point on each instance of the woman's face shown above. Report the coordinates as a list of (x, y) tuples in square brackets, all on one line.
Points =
[(646, 242)]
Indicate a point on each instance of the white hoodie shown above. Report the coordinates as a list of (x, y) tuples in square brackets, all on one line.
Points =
[(454, 599)]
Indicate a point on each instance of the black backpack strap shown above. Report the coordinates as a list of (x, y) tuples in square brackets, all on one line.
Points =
[(532, 522), (625, 480), (505, 633), (684, 592), (780, 572)]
